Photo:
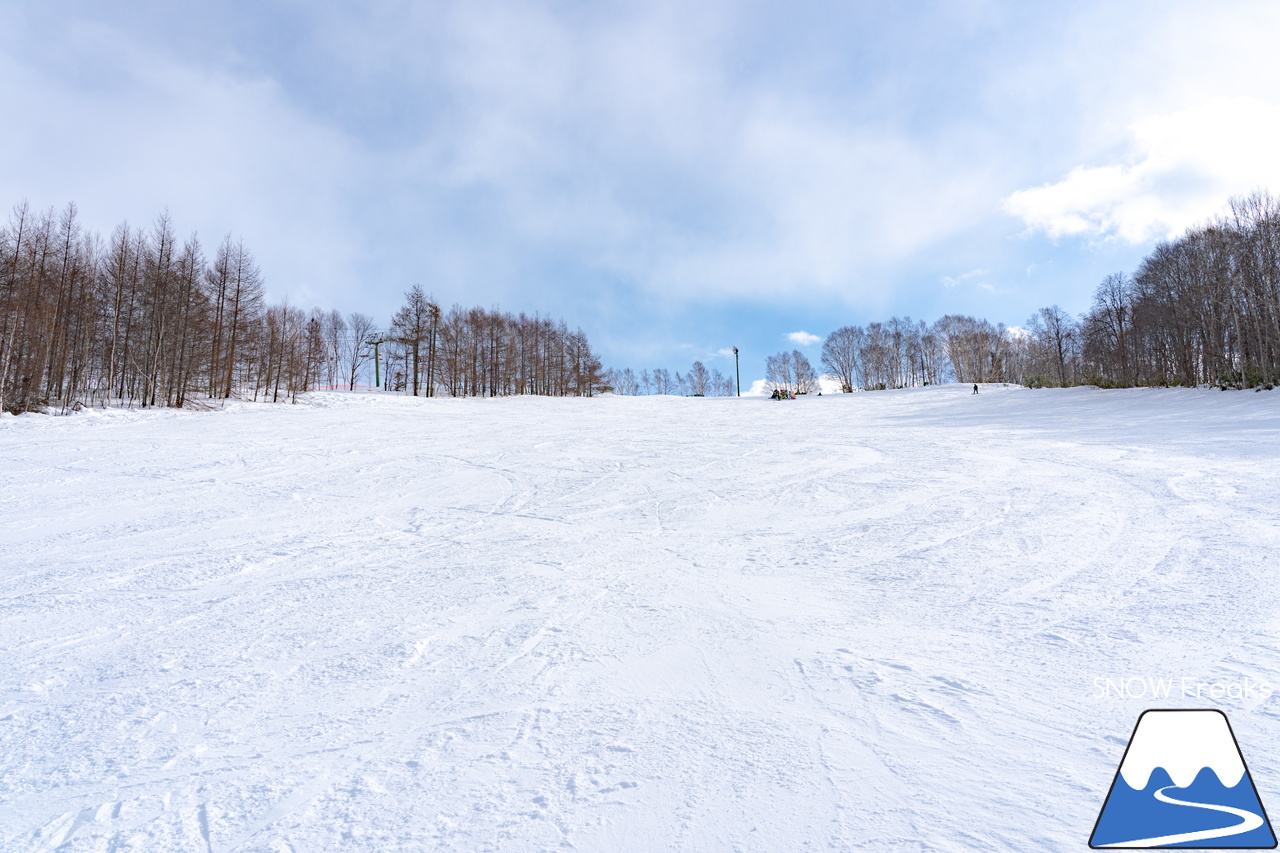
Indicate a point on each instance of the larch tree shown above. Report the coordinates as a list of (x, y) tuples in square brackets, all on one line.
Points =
[(414, 325)]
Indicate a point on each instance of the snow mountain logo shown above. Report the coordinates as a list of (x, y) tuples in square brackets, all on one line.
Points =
[(1183, 783)]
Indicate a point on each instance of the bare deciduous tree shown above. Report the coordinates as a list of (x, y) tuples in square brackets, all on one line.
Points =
[(415, 326), (357, 346), (790, 371), (698, 379), (841, 356), (1053, 339)]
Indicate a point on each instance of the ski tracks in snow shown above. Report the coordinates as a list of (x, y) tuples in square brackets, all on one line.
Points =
[(624, 624)]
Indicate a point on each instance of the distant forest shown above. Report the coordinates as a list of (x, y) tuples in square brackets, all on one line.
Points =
[(1202, 309), (142, 319)]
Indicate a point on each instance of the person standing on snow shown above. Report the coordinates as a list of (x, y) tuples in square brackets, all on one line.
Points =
[(975, 389)]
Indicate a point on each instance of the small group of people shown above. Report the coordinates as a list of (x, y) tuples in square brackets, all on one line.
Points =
[(782, 394)]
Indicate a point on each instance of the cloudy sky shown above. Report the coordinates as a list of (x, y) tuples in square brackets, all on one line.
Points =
[(675, 178)]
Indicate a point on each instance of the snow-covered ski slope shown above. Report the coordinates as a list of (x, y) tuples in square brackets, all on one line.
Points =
[(850, 622)]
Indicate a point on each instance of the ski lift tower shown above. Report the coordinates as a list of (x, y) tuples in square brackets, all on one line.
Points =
[(377, 360)]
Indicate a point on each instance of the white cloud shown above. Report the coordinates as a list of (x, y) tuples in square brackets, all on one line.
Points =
[(804, 339), (1182, 168), (956, 281), (522, 153), (628, 141), (223, 153)]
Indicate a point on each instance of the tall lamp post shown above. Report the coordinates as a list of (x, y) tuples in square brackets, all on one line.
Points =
[(736, 372)]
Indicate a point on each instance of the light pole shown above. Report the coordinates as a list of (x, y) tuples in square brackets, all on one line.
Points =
[(736, 372)]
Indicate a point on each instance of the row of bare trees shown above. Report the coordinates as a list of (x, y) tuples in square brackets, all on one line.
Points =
[(699, 381), (141, 318), (790, 371), (478, 353), (1204, 308), (1201, 309), (903, 353), (896, 354), (146, 319), (1053, 349)]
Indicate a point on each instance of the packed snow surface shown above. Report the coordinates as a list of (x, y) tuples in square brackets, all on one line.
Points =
[(913, 620)]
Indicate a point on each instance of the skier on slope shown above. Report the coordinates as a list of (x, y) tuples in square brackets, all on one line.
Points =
[(975, 389)]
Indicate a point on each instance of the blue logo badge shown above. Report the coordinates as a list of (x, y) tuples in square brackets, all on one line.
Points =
[(1183, 783)]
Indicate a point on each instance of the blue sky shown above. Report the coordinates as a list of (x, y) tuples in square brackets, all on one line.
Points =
[(675, 178)]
